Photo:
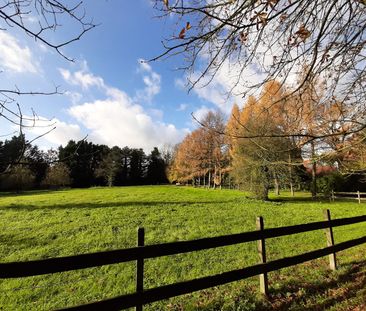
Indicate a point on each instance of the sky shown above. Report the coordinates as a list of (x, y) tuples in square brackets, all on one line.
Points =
[(109, 93)]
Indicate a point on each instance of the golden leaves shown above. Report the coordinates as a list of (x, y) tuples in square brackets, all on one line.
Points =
[(302, 33), (283, 17), (299, 36), (260, 18), (243, 37), (166, 2), (272, 3), (182, 33)]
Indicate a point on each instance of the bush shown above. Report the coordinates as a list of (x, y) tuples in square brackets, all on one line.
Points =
[(18, 179), (57, 176), (330, 182)]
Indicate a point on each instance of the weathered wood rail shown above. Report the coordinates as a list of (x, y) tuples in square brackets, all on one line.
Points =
[(349, 195), (143, 252)]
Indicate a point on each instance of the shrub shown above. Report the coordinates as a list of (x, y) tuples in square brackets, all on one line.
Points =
[(57, 175), (18, 179), (330, 182)]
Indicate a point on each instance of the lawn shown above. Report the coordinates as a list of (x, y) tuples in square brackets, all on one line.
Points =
[(47, 224)]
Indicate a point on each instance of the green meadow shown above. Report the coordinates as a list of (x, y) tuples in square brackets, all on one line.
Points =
[(47, 224)]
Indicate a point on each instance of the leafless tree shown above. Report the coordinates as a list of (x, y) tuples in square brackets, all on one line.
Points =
[(38, 19), (317, 40)]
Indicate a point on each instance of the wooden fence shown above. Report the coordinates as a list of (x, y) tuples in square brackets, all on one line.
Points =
[(143, 252), (349, 195)]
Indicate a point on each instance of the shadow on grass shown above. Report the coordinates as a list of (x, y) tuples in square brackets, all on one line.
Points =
[(9, 240), (339, 287), (299, 199), (30, 192), (93, 205), (322, 295)]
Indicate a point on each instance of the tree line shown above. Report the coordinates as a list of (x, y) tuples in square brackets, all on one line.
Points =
[(78, 164), (279, 138)]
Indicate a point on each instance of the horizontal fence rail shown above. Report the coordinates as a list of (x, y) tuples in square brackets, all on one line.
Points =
[(142, 252), (61, 264), (348, 195), (168, 291)]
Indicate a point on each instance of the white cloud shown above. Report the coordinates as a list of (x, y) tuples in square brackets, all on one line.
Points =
[(182, 107), (75, 97), (118, 119), (227, 87), (180, 84), (200, 113), (152, 82), (156, 114), (15, 58), (144, 65), (82, 78), (60, 135)]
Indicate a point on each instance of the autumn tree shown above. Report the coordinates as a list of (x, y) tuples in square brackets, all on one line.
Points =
[(214, 147), (201, 156), (188, 159), (233, 128), (262, 160)]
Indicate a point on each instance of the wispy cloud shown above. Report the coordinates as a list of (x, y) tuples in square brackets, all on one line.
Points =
[(182, 107), (82, 78), (14, 57), (152, 82)]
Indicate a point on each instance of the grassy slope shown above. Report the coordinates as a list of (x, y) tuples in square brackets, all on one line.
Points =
[(60, 223)]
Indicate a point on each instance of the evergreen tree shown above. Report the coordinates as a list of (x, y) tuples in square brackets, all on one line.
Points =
[(156, 168)]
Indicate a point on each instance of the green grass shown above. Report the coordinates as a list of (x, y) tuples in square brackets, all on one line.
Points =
[(49, 224)]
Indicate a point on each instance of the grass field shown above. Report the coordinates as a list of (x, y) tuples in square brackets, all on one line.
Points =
[(48, 224)]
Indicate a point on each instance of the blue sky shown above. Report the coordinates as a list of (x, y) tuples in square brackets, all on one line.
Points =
[(109, 94)]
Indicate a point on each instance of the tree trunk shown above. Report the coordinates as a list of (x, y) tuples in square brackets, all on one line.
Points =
[(110, 181), (209, 180), (313, 172), (277, 186), (265, 192), (220, 180), (290, 174)]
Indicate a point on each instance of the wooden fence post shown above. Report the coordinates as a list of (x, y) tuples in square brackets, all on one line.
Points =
[(263, 278), (330, 240), (140, 266), (358, 197)]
